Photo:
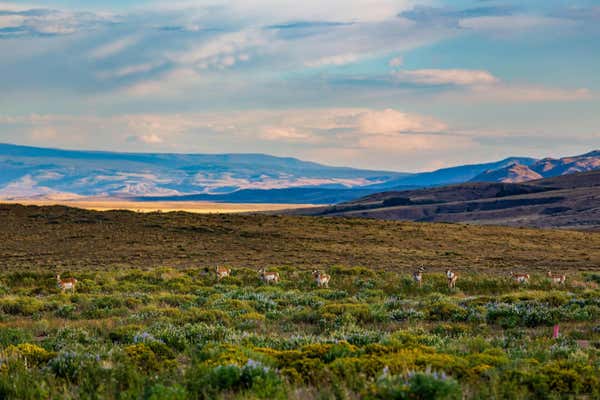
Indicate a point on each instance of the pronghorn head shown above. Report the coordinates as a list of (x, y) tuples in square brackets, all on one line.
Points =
[(316, 273), (261, 271), (449, 273), (58, 277), (549, 274)]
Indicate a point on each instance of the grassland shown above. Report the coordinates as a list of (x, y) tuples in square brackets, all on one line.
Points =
[(150, 321)]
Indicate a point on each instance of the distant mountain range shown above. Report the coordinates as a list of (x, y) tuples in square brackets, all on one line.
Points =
[(41, 173), (569, 201), (546, 168)]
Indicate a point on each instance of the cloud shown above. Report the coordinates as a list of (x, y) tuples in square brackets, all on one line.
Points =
[(19, 22), (147, 139), (396, 62), (390, 122), (510, 24), (115, 47), (341, 59), (514, 93), (458, 77), (287, 135)]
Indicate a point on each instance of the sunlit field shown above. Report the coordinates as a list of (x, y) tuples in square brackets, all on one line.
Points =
[(200, 207), (148, 318)]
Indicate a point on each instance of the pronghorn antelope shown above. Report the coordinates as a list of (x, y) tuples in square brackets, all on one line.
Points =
[(223, 272), (418, 276), (557, 278), (321, 278), (268, 277), (65, 284), (452, 277), (520, 278)]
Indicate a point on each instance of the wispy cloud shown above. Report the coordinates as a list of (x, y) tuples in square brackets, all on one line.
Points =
[(459, 77), (114, 47)]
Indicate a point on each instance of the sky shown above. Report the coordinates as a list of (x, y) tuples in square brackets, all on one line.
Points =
[(398, 85)]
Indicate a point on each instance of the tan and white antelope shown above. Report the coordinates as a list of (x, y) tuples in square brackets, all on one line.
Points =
[(557, 278), (520, 278), (65, 284), (452, 278), (222, 272), (418, 276), (321, 278), (268, 277)]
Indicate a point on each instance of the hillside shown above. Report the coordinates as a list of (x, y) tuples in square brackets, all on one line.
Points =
[(569, 201), (544, 168), (38, 237)]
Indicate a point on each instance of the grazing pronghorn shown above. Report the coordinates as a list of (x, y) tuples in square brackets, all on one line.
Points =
[(223, 272), (557, 278), (321, 278), (520, 278), (418, 276), (452, 278), (65, 284), (268, 277)]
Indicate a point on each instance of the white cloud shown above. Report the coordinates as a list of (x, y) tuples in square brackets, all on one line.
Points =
[(290, 134), (341, 59), (151, 139), (390, 122), (459, 77), (11, 21), (172, 83), (114, 47)]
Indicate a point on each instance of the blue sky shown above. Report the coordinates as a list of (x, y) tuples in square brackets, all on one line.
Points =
[(392, 84)]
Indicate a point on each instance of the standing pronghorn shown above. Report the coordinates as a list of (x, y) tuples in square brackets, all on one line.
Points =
[(418, 276), (222, 272), (268, 277), (65, 284), (321, 278), (520, 278), (452, 278), (557, 278)]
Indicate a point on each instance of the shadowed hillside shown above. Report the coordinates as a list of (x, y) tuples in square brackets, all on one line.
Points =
[(569, 201)]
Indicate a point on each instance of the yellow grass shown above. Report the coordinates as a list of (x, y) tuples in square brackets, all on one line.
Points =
[(199, 207)]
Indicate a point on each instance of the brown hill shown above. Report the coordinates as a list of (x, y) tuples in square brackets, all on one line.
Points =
[(568, 201), (544, 168)]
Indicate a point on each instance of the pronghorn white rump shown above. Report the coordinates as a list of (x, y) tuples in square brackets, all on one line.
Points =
[(452, 278), (418, 276), (557, 278)]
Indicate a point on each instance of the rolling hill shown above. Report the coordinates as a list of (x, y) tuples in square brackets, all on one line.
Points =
[(544, 168), (569, 201)]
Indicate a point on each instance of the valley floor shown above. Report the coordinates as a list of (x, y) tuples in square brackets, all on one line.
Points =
[(201, 207)]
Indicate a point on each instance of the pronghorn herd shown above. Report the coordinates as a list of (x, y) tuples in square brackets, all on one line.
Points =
[(322, 279)]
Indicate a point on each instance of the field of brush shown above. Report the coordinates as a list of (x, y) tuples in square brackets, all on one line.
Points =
[(149, 320)]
